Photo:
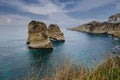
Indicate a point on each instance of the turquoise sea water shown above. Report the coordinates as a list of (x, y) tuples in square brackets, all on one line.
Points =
[(16, 60)]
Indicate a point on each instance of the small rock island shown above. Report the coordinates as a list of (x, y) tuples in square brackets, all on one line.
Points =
[(40, 37), (54, 33), (111, 27)]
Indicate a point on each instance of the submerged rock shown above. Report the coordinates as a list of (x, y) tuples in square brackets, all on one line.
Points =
[(37, 37), (55, 33)]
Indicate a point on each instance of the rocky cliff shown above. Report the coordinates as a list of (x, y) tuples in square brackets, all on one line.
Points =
[(55, 33), (114, 18), (39, 35), (112, 27)]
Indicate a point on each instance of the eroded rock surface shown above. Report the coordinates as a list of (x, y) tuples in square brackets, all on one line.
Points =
[(101, 27), (114, 18), (55, 33), (37, 37)]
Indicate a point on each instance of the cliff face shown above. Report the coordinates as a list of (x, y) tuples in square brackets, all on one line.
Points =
[(101, 27), (55, 33), (39, 35), (114, 18)]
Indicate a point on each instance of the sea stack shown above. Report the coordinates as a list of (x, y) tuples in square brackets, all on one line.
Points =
[(55, 33), (41, 37), (37, 37)]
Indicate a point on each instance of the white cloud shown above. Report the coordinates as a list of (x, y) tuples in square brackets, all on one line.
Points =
[(42, 10), (13, 20), (85, 5), (64, 20), (43, 7), (61, 19), (55, 11)]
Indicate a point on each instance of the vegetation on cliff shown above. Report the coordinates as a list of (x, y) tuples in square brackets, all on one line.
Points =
[(108, 70)]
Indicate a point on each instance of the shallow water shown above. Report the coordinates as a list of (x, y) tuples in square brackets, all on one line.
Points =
[(16, 60)]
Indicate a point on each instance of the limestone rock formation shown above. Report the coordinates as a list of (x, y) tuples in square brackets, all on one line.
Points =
[(114, 18), (89, 27), (101, 27), (55, 33), (37, 37)]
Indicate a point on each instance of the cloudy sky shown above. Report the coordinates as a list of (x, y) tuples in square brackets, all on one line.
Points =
[(66, 13)]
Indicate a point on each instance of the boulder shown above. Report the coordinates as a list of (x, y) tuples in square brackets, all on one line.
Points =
[(37, 37), (54, 33)]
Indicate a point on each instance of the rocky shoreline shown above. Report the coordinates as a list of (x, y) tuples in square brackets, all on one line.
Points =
[(39, 36), (111, 27)]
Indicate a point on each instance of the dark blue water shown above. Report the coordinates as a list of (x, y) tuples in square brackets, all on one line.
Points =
[(16, 60)]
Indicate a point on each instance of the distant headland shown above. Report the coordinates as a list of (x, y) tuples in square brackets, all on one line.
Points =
[(112, 26)]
